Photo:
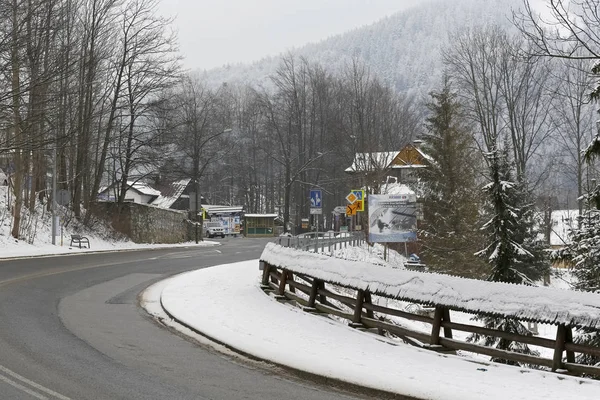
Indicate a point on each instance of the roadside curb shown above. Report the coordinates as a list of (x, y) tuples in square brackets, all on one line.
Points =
[(299, 373), (51, 255)]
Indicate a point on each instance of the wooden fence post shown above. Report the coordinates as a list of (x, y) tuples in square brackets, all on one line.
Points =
[(368, 301), (437, 324), (266, 273), (561, 335), (312, 298), (290, 277), (569, 339), (322, 297), (358, 309), (282, 282), (446, 318)]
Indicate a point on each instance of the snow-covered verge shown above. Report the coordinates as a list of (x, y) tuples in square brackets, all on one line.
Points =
[(543, 304), (237, 313), (36, 239)]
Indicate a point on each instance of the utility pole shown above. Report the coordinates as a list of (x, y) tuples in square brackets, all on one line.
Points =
[(53, 205), (196, 210)]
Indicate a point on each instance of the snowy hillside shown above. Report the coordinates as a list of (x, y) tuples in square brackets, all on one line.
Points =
[(403, 49)]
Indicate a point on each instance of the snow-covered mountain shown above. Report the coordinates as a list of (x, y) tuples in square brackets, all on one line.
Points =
[(403, 49)]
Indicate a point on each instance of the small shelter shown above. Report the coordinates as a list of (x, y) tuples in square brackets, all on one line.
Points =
[(259, 225), (230, 217)]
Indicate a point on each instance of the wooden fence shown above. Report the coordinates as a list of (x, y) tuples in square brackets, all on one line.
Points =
[(315, 295)]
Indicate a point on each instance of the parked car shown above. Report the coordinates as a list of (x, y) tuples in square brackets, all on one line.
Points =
[(213, 229)]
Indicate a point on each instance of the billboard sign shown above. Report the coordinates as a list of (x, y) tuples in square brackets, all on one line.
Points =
[(392, 218)]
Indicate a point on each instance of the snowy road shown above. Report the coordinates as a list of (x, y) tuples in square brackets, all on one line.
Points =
[(72, 329)]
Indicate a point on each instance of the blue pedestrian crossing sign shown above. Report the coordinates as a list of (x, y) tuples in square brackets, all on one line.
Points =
[(316, 198)]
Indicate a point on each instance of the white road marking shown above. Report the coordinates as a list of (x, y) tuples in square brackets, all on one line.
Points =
[(30, 383), (22, 388)]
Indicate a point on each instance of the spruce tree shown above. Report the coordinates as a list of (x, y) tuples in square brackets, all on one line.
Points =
[(583, 253), (512, 249), (451, 200)]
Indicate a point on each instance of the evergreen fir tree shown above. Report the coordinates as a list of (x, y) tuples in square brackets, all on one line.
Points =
[(583, 253), (451, 199), (512, 249)]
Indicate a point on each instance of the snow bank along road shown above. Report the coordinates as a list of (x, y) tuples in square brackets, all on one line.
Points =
[(238, 314), (71, 328)]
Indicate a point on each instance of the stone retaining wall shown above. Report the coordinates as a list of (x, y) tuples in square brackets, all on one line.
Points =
[(144, 224)]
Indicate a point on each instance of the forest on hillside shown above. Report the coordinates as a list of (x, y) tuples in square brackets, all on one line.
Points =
[(94, 94), (96, 89)]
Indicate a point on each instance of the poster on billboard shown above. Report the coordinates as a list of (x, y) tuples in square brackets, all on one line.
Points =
[(392, 218)]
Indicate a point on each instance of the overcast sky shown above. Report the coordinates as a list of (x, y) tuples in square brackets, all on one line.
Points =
[(216, 32)]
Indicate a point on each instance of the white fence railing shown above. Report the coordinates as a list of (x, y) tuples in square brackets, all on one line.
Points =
[(319, 241)]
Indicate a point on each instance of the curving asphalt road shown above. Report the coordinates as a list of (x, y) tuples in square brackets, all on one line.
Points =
[(71, 328)]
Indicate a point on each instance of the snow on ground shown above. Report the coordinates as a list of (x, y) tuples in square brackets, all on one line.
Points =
[(237, 313), (37, 239), (545, 304)]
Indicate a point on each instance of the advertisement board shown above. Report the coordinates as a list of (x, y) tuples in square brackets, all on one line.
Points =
[(392, 218)]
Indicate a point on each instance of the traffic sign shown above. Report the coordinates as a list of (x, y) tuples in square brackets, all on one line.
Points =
[(351, 198), (63, 197), (360, 205), (351, 209), (359, 193), (360, 196), (316, 197)]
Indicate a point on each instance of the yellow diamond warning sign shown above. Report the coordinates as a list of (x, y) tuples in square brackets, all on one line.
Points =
[(351, 198)]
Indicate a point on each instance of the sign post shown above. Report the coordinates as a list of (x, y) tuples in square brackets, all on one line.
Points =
[(316, 203)]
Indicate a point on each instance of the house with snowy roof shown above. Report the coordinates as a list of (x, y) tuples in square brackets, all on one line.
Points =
[(401, 165), (137, 192), (175, 195)]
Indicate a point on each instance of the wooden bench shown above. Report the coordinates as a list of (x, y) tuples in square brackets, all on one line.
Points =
[(79, 240)]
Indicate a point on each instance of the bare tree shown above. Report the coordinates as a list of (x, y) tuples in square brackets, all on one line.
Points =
[(573, 117), (150, 65)]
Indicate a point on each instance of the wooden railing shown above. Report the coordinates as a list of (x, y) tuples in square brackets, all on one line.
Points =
[(317, 296)]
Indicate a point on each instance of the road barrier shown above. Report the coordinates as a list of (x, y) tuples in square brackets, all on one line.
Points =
[(313, 282), (319, 241)]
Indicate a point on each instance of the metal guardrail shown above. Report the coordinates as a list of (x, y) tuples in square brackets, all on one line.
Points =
[(321, 241)]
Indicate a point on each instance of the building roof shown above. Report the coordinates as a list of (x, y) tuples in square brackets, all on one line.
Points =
[(138, 186), (219, 209), (170, 193), (372, 161), (410, 156), (261, 215), (396, 188), (143, 188)]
